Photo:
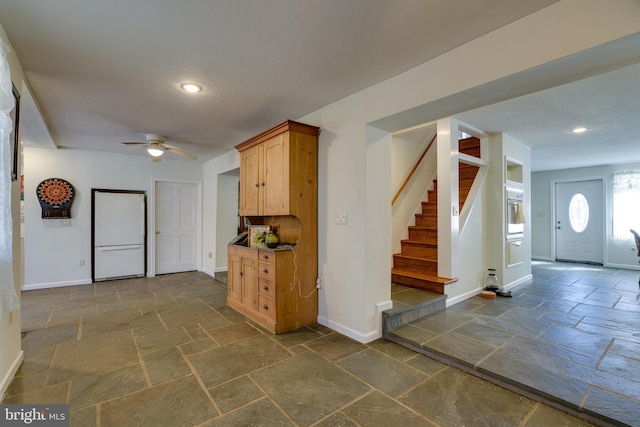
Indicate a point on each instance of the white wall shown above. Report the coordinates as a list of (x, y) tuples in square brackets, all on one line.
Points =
[(226, 215), (516, 151), (427, 92), (617, 253), (354, 157), (211, 242), (405, 151), (10, 348), (52, 252)]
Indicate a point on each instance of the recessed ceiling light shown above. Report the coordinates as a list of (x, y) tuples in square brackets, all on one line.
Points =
[(191, 87), (579, 130)]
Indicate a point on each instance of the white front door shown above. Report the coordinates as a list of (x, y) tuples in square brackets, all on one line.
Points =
[(580, 221), (176, 227)]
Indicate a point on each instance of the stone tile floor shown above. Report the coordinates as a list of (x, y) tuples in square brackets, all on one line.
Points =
[(570, 336), (167, 351)]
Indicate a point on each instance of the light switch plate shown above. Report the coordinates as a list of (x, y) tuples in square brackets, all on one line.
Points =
[(341, 218)]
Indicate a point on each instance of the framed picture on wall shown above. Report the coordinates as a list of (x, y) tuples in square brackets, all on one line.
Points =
[(14, 137)]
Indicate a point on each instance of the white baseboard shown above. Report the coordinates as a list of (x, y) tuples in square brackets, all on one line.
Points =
[(221, 269), (518, 282), (462, 297), (541, 258), (209, 272), (56, 284), (383, 305), (344, 330), (477, 291), (4, 385), (625, 266)]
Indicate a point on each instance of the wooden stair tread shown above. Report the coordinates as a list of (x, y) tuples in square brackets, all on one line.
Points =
[(416, 227), (418, 242), (417, 258), (429, 277)]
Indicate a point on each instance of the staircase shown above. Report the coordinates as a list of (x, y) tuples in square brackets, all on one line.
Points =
[(416, 265)]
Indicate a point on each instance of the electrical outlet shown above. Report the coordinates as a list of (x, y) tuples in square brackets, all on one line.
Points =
[(64, 223), (81, 262), (211, 255), (341, 218)]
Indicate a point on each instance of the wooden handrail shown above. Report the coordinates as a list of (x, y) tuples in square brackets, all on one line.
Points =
[(413, 170)]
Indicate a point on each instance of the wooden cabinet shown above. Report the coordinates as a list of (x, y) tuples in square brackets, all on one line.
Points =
[(262, 286), (278, 187), (278, 169), (243, 278)]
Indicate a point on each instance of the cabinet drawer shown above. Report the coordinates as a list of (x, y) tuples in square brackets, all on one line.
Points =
[(267, 270), (266, 256), (267, 288), (267, 306)]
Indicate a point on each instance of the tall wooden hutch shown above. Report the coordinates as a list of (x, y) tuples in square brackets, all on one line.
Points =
[(278, 187)]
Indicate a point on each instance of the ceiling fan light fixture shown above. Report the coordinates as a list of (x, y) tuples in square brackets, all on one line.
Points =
[(191, 87), (155, 151), (580, 129)]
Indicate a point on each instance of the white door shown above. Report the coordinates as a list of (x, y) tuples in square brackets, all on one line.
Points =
[(580, 221), (176, 227)]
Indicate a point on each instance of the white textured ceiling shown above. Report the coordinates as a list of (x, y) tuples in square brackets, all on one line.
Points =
[(608, 105), (108, 71)]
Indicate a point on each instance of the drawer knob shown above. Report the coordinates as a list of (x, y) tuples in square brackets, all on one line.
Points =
[(265, 256), (241, 273), (257, 185), (265, 271), (266, 307), (266, 288)]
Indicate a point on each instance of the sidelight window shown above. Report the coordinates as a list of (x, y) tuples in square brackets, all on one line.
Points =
[(626, 194)]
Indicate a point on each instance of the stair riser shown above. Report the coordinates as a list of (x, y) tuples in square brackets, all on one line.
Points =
[(420, 251), (414, 265), (467, 171), (471, 151), (417, 283), (429, 208), (427, 221), (394, 321), (471, 142), (424, 236), (465, 183)]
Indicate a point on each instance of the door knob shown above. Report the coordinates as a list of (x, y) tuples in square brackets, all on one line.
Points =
[(157, 231)]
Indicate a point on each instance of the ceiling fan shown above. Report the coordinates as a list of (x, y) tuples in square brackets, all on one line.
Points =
[(156, 147)]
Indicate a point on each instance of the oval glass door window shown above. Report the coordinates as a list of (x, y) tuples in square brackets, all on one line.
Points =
[(578, 212)]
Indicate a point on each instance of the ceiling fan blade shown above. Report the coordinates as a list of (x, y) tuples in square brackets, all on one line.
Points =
[(134, 143), (179, 152)]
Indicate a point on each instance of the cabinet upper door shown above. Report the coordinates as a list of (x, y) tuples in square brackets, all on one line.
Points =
[(250, 181), (276, 175)]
